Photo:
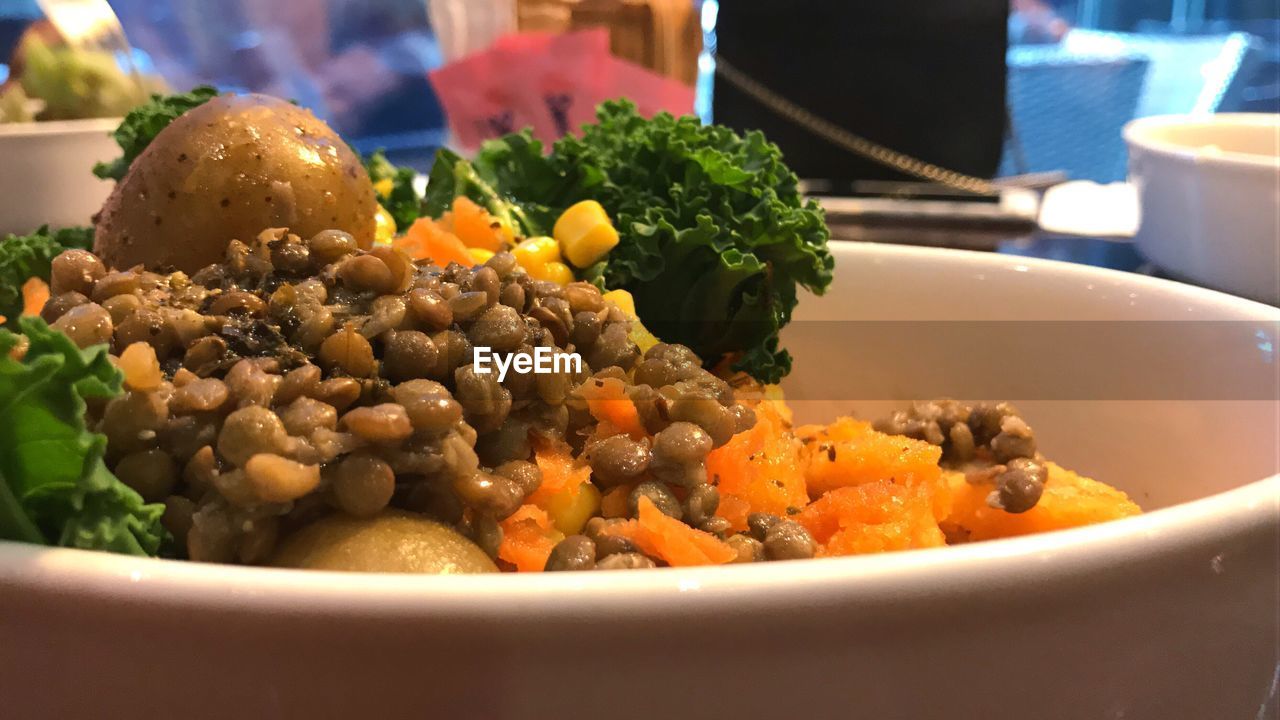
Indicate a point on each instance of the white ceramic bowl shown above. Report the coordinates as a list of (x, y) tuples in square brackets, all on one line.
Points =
[(47, 173), (1165, 616), (1209, 190)]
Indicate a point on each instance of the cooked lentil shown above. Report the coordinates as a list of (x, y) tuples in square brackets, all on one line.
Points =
[(625, 561), (576, 552), (1019, 486), (758, 524), (788, 540), (301, 372), (748, 548), (661, 496), (989, 442)]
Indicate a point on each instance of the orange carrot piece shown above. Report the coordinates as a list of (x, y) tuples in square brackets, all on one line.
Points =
[(563, 482), (475, 227), (528, 538), (872, 517), (607, 402), (614, 502), (426, 240), (35, 293), (673, 541), (559, 471), (759, 470), (735, 510), (850, 452), (1069, 500)]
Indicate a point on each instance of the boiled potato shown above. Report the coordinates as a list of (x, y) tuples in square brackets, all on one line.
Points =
[(393, 541), (229, 169)]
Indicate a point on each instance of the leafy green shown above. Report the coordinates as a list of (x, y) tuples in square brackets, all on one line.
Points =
[(715, 237), (26, 256), (402, 201), (145, 122), (452, 176), (54, 487)]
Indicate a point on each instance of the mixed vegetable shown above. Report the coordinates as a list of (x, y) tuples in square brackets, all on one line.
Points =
[(715, 239), (304, 394)]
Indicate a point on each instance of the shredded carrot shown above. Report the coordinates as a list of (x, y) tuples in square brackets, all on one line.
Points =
[(566, 492), (475, 227), (673, 541), (872, 517), (850, 452), (1069, 500), (735, 510), (528, 538), (759, 470), (426, 240), (559, 471), (614, 502), (607, 402), (35, 293)]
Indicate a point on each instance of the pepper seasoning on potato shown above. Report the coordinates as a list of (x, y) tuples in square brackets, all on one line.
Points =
[(226, 170)]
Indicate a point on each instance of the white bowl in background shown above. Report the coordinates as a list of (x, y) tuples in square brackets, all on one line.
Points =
[(47, 172), (1168, 616), (1209, 191)]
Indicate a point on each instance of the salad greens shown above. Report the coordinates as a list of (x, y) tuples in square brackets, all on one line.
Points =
[(452, 176), (26, 256), (715, 237), (394, 186), (54, 487), (144, 122)]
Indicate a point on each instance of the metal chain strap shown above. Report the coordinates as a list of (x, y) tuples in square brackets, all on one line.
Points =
[(855, 144)]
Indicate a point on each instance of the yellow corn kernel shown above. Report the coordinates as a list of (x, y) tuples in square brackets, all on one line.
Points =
[(535, 252), (384, 226), (480, 255), (623, 300), (638, 333), (585, 233), (570, 511), (384, 187), (641, 336), (505, 232), (556, 272)]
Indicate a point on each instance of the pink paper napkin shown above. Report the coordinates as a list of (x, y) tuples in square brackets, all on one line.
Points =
[(548, 83)]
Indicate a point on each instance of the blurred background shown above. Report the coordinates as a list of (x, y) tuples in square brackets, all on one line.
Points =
[(984, 87), (1030, 92)]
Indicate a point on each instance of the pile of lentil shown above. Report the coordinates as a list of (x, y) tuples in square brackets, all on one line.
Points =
[(305, 376)]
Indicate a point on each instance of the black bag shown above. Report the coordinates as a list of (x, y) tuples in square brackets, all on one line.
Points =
[(923, 77)]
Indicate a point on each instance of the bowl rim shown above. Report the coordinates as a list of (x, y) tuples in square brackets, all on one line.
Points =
[(993, 566), (989, 566), (1136, 134), (1208, 298), (45, 128)]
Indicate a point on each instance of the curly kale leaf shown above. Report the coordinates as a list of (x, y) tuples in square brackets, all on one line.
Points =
[(145, 122), (716, 240), (27, 256), (54, 487)]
